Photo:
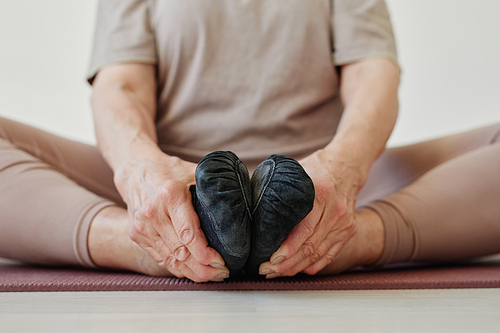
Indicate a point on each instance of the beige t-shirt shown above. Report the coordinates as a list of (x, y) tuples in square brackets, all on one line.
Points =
[(256, 77)]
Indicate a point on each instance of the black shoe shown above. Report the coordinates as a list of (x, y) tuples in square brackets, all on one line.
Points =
[(283, 195), (221, 199)]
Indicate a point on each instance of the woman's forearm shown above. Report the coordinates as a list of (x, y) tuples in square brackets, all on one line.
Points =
[(339, 171), (154, 186), (124, 108), (369, 93)]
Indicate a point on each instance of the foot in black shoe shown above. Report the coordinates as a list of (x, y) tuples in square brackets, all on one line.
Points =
[(221, 199), (283, 195)]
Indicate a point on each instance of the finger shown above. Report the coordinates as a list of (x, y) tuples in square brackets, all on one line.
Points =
[(152, 224), (307, 250), (191, 270), (176, 273), (145, 243), (158, 218), (176, 267), (148, 238), (322, 262), (182, 255), (180, 269), (187, 226), (308, 255), (203, 272), (150, 242), (326, 260), (331, 245), (337, 227), (298, 236), (311, 250), (206, 273)]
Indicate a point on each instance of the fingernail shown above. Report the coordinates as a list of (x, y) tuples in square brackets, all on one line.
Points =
[(217, 280), (217, 265), (222, 275), (272, 276), (266, 271), (277, 260)]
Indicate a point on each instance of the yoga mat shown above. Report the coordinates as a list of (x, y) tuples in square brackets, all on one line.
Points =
[(16, 277)]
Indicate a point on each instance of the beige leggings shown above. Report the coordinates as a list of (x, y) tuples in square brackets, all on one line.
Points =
[(439, 200)]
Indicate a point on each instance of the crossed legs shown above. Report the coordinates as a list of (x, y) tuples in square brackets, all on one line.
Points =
[(59, 206), (436, 200)]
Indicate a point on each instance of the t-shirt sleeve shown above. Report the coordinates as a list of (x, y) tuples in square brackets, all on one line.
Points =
[(361, 29), (122, 33)]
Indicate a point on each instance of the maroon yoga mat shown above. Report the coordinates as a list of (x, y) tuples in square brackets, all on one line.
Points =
[(17, 277)]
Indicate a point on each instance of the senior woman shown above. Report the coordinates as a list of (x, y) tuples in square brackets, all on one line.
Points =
[(315, 80)]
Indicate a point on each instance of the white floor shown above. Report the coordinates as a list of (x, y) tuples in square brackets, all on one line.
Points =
[(443, 310)]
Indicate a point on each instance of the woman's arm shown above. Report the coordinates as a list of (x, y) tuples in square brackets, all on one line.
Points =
[(124, 109), (154, 186), (369, 92), (339, 171)]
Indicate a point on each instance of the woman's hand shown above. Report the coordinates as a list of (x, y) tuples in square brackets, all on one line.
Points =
[(368, 90), (315, 241), (163, 222), (154, 186)]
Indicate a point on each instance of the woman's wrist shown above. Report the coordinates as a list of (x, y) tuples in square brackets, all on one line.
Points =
[(345, 160), (150, 164), (131, 159)]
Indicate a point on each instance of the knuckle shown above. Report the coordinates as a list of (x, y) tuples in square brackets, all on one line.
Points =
[(138, 228), (307, 230), (308, 249), (328, 258), (186, 235), (181, 253), (171, 192), (147, 211), (315, 256), (153, 254), (289, 248), (171, 261)]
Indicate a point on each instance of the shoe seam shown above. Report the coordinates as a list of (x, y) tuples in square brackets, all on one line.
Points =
[(247, 204), (268, 181)]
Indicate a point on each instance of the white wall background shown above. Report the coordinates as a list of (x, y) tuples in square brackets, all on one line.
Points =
[(449, 52)]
